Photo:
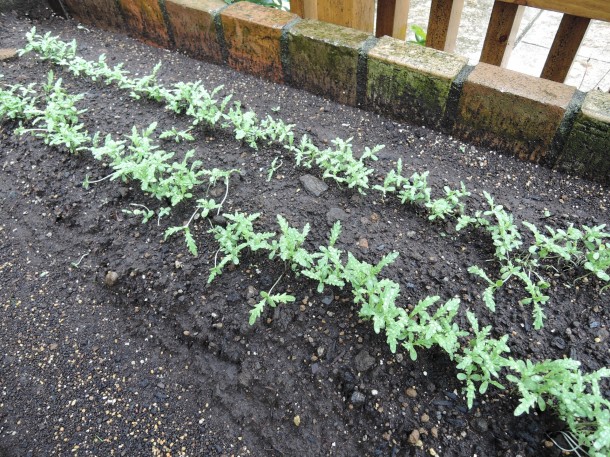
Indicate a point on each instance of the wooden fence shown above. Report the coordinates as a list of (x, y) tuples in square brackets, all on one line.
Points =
[(445, 15)]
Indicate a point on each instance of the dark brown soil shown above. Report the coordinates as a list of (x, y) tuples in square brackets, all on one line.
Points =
[(162, 364)]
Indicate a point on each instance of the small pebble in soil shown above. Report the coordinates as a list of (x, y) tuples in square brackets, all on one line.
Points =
[(335, 214), (327, 300), (363, 243), (481, 425), (111, 278), (313, 185), (358, 398), (559, 343), (414, 438), (364, 361), (219, 220), (252, 292), (411, 392), (425, 418)]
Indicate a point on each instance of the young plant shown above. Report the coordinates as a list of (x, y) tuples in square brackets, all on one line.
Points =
[(146, 85), (289, 246), (276, 130), (140, 210), (203, 208), (58, 121), (177, 135), (245, 125), (271, 300), (576, 397), (481, 360), (340, 164), (415, 190), (236, 236), (18, 102), (597, 254), (561, 244), (449, 205), (327, 268), (393, 181), (274, 167), (422, 329)]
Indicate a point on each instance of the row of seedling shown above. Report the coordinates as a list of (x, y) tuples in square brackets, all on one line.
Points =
[(591, 247), (137, 158), (481, 360)]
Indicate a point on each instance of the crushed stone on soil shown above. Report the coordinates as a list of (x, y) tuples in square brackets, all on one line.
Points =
[(113, 343)]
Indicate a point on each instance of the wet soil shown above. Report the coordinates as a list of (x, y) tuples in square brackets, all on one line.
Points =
[(158, 362)]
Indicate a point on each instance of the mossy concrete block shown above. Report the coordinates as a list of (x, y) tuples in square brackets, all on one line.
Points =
[(144, 19), (252, 34), (409, 81), (511, 111), (587, 149), (192, 22), (104, 14), (324, 59)]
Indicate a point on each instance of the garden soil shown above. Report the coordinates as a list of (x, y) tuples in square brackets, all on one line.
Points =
[(113, 343)]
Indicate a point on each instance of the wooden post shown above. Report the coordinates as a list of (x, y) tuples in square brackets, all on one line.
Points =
[(358, 14), (443, 24), (297, 7), (311, 9), (392, 16), (565, 46), (501, 33)]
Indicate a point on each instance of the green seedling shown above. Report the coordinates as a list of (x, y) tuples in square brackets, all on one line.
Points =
[(415, 190), (422, 329), (203, 209), (450, 205), (577, 398), (58, 123), (274, 167), (177, 135), (327, 268), (271, 300), (393, 182), (140, 210), (481, 360), (289, 246)]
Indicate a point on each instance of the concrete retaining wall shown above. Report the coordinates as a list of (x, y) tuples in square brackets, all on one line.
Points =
[(538, 120)]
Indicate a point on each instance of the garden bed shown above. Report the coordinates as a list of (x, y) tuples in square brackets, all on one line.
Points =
[(113, 341)]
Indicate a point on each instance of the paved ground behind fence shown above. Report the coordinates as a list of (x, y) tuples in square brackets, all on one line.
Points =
[(590, 70)]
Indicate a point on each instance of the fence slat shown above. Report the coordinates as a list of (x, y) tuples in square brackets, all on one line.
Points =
[(501, 33), (443, 24), (565, 46), (593, 9), (392, 16)]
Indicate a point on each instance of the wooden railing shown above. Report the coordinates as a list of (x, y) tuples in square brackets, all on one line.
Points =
[(445, 18)]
